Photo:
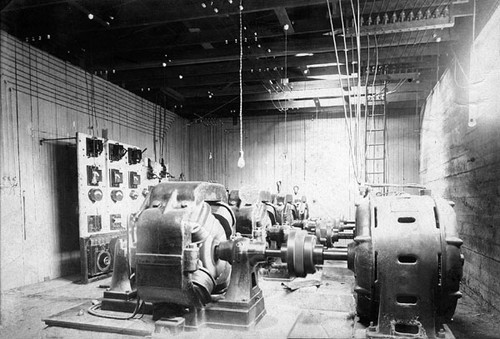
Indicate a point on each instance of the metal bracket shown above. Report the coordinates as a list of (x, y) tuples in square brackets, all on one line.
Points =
[(55, 139)]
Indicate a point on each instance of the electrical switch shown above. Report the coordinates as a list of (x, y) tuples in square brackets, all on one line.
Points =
[(134, 156), (94, 223), (94, 147), (116, 152), (94, 175), (115, 221), (116, 178), (134, 180)]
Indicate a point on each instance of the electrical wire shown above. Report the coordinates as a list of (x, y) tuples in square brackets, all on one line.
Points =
[(154, 131), (95, 310), (348, 72), (457, 61), (422, 5), (286, 77), (367, 108), (473, 48), (241, 85), (346, 63), (358, 101), (213, 111), (95, 128), (364, 6), (349, 132), (88, 100), (76, 95)]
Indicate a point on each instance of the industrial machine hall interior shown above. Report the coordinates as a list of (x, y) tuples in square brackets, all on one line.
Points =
[(250, 169)]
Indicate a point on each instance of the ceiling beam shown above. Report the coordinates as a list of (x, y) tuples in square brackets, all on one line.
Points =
[(181, 12), (410, 42), (166, 74), (87, 12), (173, 94), (310, 103), (136, 41), (383, 6), (298, 93), (193, 79), (7, 6), (201, 92), (393, 109), (224, 79), (322, 90), (295, 44), (405, 26)]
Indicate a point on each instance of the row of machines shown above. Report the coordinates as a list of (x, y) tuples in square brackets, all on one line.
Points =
[(192, 254), (281, 213)]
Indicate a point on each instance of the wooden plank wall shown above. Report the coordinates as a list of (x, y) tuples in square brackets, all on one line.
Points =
[(403, 148), (44, 97), (317, 156), (462, 162)]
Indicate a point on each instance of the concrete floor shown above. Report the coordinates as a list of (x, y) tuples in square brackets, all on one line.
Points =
[(324, 312)]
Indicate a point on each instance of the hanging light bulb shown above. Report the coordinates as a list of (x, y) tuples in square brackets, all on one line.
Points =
[(210, 156), (241, 160)]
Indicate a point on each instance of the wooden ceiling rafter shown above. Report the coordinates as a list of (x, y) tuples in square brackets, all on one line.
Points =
[(145, 46)]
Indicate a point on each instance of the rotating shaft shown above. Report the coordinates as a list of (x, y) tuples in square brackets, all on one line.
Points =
[(302, 254)]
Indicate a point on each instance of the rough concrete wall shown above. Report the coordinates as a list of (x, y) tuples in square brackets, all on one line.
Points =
[(460, 158)]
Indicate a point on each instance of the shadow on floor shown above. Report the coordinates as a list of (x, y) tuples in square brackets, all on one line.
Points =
[(471, 321)]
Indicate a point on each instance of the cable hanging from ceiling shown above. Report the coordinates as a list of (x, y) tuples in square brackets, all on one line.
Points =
[(347, 120), (285, 27), (241, 160), (357, 121), (357, 108), (346, 62), (339, 73)]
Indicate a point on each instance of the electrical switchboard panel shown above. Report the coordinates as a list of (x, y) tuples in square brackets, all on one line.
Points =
[(112, 184)]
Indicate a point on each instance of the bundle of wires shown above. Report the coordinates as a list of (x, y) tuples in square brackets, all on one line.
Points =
[(95, 310)]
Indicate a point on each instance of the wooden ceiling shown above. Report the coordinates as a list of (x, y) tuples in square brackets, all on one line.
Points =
[(185, 54)]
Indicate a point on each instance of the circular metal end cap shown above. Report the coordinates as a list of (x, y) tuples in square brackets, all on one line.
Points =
[(95, 194)]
